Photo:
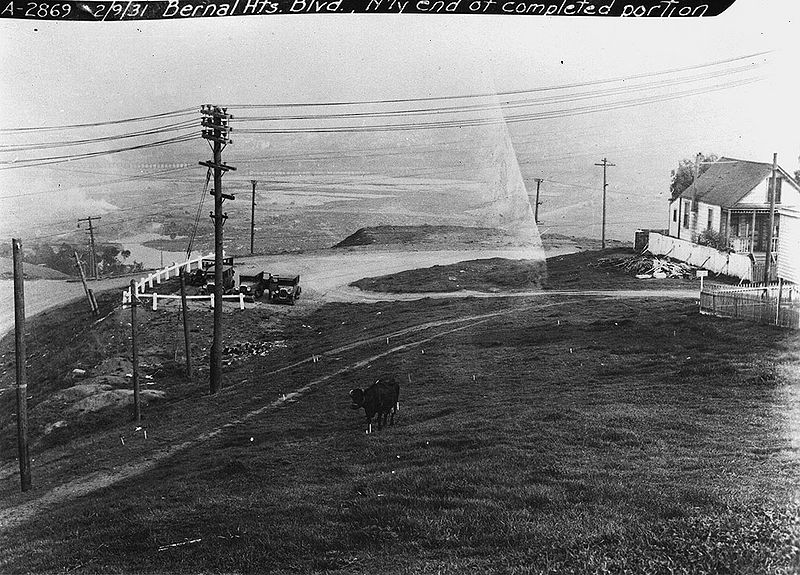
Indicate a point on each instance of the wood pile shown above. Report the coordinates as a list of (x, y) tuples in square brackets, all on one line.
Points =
[(648, 266)]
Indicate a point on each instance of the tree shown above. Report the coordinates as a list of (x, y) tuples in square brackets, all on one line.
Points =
[(683, 176)]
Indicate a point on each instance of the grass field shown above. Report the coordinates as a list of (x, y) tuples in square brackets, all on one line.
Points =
[(558, 434)]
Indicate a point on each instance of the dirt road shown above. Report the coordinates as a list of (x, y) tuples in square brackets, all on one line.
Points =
[(323, 273), (41, 295)]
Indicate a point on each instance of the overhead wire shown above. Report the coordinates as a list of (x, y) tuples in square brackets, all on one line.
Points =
[(489, 106), (505, 92), (181, 112), (42, 161), (198, 214), (85, 141), (461, 123)]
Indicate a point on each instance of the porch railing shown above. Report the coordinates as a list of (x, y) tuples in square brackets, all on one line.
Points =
[(741, 244)]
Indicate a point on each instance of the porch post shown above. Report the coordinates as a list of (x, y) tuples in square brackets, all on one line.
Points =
[(753, 233), (728, 228)]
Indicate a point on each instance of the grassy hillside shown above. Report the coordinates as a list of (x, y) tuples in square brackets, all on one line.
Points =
[(553, 434)]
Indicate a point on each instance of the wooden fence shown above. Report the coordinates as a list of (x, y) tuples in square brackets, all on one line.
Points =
[(164, 274), (773, 303)]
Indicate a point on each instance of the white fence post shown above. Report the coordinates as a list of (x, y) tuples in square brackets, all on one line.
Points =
[(155, 301), (241, 301)]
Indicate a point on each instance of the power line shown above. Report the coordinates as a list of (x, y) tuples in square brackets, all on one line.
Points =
[(504, 93), (606, 92), (85, 141), (182, 112), (33, 162), (461, 123)]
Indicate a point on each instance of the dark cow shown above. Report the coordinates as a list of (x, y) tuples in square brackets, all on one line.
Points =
[(381, 398)]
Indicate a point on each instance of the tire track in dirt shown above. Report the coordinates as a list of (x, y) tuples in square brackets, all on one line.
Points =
[(18, 514), (13, 516)]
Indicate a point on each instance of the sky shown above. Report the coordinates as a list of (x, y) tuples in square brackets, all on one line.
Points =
[(54, 73)]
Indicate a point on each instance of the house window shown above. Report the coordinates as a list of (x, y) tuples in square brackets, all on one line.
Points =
[(686, 215), (675, 215), (710, 217)]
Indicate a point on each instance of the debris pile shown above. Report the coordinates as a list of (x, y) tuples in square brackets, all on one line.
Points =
[(250, 348), (648, 266)]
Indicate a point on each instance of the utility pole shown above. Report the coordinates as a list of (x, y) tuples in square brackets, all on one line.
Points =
[(89, 294), (137, 410), (186, 327), (93, 262), (695, 208), (22, 383), (253, 217), (605, 165), (536, 205), (216, 130), (773, 186)]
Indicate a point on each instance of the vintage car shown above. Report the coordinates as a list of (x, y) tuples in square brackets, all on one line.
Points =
[(252, 286), (284, 289), (205, 272), (228, 281)]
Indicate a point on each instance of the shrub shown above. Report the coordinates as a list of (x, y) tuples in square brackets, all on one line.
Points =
[(713, 239)]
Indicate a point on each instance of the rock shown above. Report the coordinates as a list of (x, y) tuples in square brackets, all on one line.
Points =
[(57, 425), (78, 392), (112, 398), (113, 366)]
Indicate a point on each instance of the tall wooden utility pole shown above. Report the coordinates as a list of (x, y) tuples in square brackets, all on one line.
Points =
[(253, 217), (137, 410), (89, 294), (773, 186), (22, 383), (187, 345), (605, 165), (216, 129), (93, 263), (695, 213), (536, 205)]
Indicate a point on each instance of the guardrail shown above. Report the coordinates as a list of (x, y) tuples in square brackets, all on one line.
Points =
[(173, 270), (155, 297)]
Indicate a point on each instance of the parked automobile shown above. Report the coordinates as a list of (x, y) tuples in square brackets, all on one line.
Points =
[(252, 286), (228, 281), (284, 289), (201, 275)]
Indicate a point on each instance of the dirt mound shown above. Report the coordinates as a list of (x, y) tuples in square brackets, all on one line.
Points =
[(30, 271), (441, 236)]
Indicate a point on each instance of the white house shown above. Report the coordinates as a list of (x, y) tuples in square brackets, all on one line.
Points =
[(732, 198), (789, 246)]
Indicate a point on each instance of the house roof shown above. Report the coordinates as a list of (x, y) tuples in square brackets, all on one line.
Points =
[(727, 181)]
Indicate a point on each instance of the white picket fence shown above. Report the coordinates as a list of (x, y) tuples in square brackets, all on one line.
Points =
[(772, 303), (173, 270)]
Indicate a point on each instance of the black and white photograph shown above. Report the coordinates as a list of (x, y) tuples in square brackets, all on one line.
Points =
[(400, 287)]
